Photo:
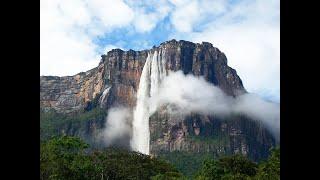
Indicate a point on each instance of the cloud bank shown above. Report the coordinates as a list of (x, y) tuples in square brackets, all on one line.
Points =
[(195, 94)]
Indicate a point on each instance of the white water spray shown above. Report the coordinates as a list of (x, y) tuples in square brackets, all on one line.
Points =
[(152, 74)]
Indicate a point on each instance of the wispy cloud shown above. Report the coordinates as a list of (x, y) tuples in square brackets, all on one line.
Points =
[(118, 127)]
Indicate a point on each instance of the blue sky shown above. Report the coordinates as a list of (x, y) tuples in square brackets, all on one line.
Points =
[(74, 33), (125, 39)]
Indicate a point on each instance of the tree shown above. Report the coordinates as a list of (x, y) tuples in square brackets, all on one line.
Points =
[(270, 170), (63, 158), (169, 176), (229, 167)]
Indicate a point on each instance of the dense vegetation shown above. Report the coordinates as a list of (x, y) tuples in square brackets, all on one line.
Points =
[(75, 124), (68, 157), (186, 162), (237, 167)]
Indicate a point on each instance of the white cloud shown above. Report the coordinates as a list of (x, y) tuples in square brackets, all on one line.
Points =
[(118, 126), (211, 100), (62, 54), (252, 51), (65, 49), (145, 22), (256, 108), (149, 13), (111, 14), (249, 34), (187, 15), (68, 29)]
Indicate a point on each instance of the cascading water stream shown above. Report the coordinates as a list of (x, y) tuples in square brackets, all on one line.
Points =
[(152, 74)]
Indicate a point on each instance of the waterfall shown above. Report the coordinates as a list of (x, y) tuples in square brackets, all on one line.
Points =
[(152, 74), (104, 94)]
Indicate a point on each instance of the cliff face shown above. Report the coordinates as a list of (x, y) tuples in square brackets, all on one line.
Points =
[(115, 83), (71, 93), (209, 134)]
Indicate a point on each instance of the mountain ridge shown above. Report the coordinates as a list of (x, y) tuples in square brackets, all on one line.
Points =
[(139, 51)]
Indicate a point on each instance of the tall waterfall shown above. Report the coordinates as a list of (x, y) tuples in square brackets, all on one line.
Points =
[(152, 74)]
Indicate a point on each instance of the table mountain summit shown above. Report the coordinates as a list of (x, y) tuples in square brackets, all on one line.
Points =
[(115, 82)]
